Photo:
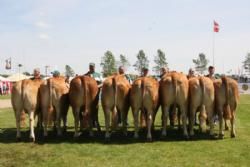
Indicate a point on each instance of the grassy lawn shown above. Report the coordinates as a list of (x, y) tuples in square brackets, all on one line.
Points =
[(125, 151), (4, 97)]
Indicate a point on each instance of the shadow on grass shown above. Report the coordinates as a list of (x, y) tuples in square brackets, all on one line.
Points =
[(8, 135)]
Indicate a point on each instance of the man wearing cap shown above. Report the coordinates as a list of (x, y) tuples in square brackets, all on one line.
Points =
[(121, 71), (190, 73), (211, 73), (95, 75), (164, 70), (36, 74), (144, 72), (55, 74), (99, 79)]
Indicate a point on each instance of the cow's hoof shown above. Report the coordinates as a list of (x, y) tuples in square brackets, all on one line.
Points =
[(233, 135), (18, 139), (149, 140), (212, 137), (163, 133), (91, 134), (76, 135), (186, 137), (125, 133), (107, 139), (32, 139), (136, 136), (221, 136)]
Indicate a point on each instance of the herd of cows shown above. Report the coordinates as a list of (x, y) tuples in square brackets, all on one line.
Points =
[(49, 101)]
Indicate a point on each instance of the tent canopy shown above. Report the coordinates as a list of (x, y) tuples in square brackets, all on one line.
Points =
[(17, 77), (4, 79)]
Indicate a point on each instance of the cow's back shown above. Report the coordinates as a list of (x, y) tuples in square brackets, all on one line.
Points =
[(115, 87)]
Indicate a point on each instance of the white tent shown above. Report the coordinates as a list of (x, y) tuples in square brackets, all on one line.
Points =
[(17, 77), (3, 79)]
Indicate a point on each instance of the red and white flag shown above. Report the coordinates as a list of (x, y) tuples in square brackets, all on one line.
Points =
[(8, 64), (216, 27)]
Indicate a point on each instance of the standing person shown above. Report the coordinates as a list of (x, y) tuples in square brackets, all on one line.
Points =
[(55, 74), (163, 70), (211, 75), (211, 71), (144, 72), (36, 74), (97, 76), (190, 73), (93, 74), (121, 71)]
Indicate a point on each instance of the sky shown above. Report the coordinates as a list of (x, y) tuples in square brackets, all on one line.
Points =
[(76, 32)]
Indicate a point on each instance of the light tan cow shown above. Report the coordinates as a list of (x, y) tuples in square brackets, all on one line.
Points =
[(25, 97), (144, 96), (174, 92), (115, 99), (201, 98), (83, 95), (54, 102), (226, 101)]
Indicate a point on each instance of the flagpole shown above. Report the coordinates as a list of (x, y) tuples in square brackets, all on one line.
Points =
[(213, 46)]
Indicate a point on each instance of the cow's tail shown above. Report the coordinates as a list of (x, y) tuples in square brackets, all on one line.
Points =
[(85, 99), (51, 112), (202, 86), (114, 113), (22, 116), (226, 107), (143, 111), (174, 81)]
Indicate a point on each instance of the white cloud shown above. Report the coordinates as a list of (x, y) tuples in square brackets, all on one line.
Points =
[(44, 36), (42, 24)]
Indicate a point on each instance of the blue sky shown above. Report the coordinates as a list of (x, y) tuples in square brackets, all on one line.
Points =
[(76, 32)]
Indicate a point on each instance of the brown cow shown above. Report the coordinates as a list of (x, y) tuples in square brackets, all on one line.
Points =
[(174, 92), (25, 97), (83, 95), (226, 101), (144, 96), (115, 98), (201, 98), (54, 102)]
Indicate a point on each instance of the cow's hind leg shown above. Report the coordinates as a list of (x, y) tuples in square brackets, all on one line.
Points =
[(220, 114), (136, 121), (45, 111), (107, 121), (232, 120), (124, 116), (149, 124), (18, 124), (165, 110), (209, 110), (183, 109), (31, 123), (192, 119), (76, 113), (58, 120)]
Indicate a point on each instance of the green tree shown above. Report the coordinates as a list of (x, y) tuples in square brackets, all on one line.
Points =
[(246, 63), (69, 71), (124, 61), (142, 61), (201, 63), (26, 73), (108, 64), (160, 61)]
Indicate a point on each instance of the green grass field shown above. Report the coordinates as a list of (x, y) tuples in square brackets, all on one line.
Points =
[(4, 97), (126, 151)]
